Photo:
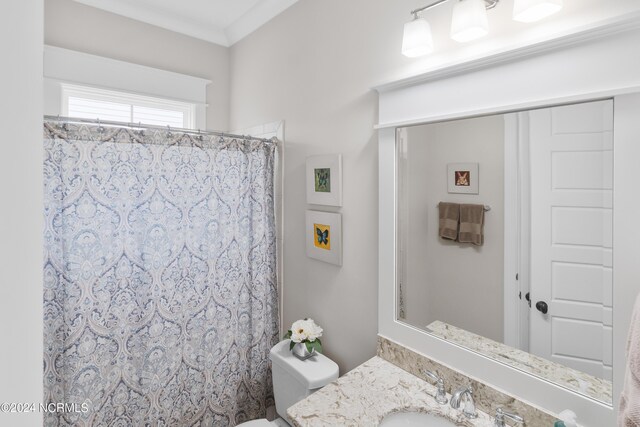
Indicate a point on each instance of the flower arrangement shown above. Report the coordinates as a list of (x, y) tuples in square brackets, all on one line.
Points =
[(306, 332)]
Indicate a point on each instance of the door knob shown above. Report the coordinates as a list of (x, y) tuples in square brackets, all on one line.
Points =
[(542, 307)]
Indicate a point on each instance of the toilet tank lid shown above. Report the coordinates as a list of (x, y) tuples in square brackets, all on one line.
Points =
[(313, 373)]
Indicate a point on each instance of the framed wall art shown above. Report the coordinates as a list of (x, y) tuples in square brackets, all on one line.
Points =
[(324, 236), (324, 180), (463, 178)]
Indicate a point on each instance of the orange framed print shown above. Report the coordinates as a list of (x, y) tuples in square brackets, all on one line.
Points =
[(324, 236)]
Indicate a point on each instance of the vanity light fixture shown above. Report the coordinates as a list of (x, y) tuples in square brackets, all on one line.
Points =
[(469, 21)]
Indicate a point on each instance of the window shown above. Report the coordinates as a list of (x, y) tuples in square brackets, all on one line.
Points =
[(91, 103)]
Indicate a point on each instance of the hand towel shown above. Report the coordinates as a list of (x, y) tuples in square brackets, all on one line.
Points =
[(471, 224), (629, 413), (448, 223)]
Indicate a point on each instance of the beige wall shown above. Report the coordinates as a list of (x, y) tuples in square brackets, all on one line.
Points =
[(309, 67), (314, 66), (459, 284), (74, 26)]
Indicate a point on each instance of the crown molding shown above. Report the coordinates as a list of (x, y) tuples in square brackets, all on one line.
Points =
[(161, 19), (253, 19)]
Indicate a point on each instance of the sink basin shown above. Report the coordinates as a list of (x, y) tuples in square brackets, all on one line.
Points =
[(417, 419)]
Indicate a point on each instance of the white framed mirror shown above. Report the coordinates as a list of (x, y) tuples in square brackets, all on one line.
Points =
[(597, 67), (520, 269)]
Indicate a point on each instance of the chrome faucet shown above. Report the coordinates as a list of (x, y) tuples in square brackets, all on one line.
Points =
[(469, 409), (441, 394), (501, 414)]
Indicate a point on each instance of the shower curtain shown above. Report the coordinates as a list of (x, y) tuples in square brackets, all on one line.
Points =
[(160, 295)]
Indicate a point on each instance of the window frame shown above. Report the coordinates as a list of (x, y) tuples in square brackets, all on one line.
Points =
[(133, 99)]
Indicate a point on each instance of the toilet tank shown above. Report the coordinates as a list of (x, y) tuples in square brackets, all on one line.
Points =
[(295, 379)]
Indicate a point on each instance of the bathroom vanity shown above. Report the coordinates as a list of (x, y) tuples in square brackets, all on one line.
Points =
[(394, 382), (371, 392)]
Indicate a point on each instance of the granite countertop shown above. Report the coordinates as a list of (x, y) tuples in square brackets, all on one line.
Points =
[(596, 388), (365, 395)]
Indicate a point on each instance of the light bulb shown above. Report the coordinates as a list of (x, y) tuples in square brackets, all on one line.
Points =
[(469, 21), (417, 40)]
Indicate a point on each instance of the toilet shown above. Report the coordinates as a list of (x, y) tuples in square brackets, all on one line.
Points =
[(293, 380)]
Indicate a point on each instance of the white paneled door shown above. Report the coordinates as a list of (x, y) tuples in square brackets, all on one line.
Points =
[(571, 160)]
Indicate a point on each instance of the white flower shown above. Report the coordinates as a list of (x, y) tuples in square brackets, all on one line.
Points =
[(305, 330), (314, 331)]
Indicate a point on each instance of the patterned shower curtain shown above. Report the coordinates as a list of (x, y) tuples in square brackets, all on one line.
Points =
[(160, 295)]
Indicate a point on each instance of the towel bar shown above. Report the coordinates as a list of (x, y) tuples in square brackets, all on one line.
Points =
[(487, 208)]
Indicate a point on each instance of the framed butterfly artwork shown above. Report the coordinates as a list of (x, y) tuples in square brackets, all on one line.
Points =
[(324, 236), (463, 178), (324, 180)]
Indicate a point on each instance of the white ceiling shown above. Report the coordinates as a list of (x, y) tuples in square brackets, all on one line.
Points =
[(223, 22)]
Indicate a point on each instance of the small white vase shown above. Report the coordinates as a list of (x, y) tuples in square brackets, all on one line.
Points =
[(300, 351)]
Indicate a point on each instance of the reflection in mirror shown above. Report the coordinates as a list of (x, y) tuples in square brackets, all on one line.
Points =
[(505, 239)]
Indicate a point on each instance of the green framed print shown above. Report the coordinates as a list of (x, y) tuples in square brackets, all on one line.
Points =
[(324, 180)]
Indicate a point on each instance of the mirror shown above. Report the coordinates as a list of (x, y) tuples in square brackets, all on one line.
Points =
[(505, 239)]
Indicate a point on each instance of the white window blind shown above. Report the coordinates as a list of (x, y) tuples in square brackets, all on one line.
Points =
[(91, 103)]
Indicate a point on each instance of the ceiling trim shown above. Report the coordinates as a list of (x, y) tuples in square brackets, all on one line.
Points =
[(161, 19), (255, 17)]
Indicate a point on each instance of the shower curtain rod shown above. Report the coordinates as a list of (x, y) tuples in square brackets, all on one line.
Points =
[(72, 120)]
